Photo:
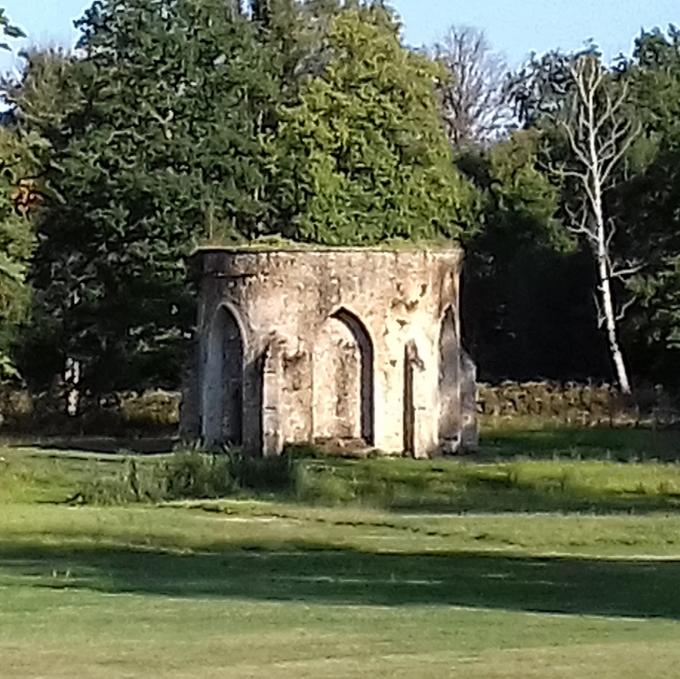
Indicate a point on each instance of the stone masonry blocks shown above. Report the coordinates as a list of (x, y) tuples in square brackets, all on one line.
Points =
[(359, 346)]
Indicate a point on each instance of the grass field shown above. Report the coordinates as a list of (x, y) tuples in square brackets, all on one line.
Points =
[(482, 568)]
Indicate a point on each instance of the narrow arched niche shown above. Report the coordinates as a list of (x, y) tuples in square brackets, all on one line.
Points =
[(409, 425), (343, 378), (222, 420), (449, 382)]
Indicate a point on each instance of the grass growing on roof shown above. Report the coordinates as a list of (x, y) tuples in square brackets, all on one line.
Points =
[(277, 242)]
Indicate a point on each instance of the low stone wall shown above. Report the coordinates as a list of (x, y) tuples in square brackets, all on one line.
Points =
[(127, 413), (573, 404), (522, 404)]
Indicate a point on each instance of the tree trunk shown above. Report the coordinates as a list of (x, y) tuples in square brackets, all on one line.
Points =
[(603, 260), (610, 322)]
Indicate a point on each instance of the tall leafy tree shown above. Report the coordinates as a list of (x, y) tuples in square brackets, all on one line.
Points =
[(650, 203), (160, 147), (363, 156), (527, 286), (17, 191)]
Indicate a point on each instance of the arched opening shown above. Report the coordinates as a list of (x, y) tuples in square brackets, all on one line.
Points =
[(413, 366), (409, 400), (343, 380), (449, 383), (223, 382)]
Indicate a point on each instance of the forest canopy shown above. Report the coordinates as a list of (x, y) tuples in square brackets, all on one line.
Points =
[(181, 122)]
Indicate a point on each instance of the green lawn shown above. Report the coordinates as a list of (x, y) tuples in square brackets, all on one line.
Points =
[(273, 586), (620, 445)]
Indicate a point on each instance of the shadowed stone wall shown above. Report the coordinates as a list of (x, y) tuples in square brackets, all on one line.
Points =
[(353, 345)]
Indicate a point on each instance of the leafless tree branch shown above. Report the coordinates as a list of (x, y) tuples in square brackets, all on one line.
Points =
[(598, 308), (476, 105), (625, 272), (624, 309)]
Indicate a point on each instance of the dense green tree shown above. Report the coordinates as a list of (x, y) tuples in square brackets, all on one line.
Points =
[(527, 309), (16, 234), (158, 147), (42, 103), (362, 153), (16, 241), (650, 202)]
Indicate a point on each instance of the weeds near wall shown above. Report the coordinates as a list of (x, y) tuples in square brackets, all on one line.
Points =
[(581, 479), (189, 475)]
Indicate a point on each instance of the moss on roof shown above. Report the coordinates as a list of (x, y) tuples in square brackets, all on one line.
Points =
[(276, 243)]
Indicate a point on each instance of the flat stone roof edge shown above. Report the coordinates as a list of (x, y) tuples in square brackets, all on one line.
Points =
[(272, 249)]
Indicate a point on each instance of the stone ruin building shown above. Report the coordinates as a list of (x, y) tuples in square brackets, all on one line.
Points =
[(358, 348)]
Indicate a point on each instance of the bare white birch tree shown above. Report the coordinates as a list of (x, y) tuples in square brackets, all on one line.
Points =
[(599, 133), (476, 107)]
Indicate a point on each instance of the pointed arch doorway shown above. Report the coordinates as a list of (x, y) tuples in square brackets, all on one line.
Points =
[(222, 421), (449, 383), (343, 378)]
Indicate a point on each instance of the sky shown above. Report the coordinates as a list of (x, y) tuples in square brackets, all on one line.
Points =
[(514, 27)]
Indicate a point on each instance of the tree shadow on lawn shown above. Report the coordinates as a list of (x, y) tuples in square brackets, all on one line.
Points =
[(591, 443), (148, 445), (309, 573), (511, 496)]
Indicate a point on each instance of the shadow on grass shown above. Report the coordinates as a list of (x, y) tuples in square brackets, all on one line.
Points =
[(109, 444), (618, 444), (481, 496), (443, 487), (311, 574)]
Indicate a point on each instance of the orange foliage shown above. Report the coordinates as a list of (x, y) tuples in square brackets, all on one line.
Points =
[(26, 197)]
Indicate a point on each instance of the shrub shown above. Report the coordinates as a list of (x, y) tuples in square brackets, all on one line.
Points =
[(186, 475), (192, 475), (133, 483), (16, 406)]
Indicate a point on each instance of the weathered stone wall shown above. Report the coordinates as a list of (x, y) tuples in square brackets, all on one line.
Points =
[(333, 344), (154, 412), (573, 404)]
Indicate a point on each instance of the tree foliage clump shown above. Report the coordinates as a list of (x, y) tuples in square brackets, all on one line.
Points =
[(362, 154), (159, 146), (649, 202), (526, 292), (179, 122), (17, 196), (16, 242)]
